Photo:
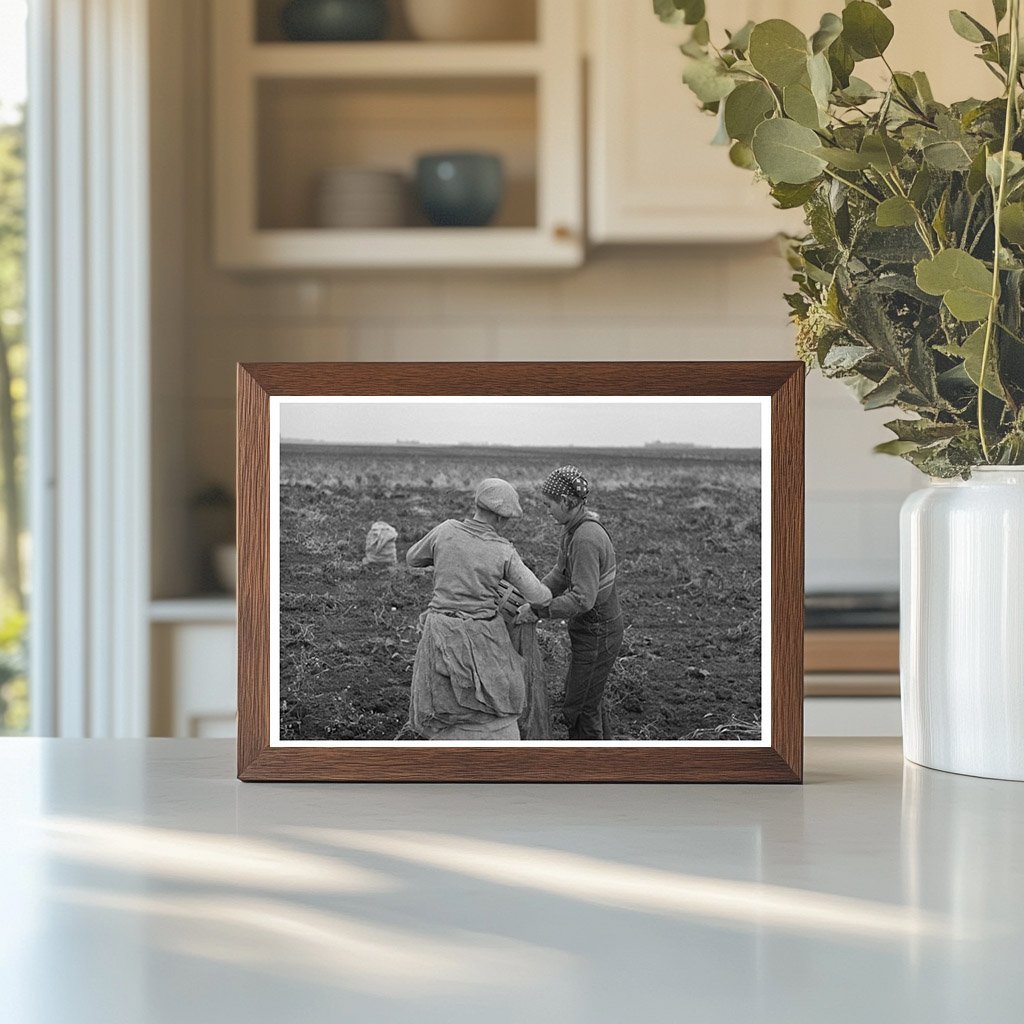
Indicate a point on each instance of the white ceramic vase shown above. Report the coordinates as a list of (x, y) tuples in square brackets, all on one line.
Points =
[(962, 624)]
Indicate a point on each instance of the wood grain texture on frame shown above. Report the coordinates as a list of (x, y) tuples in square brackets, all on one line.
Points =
[(782, 761)]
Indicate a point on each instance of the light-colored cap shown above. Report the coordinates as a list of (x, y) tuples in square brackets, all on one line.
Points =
[(498, 496)]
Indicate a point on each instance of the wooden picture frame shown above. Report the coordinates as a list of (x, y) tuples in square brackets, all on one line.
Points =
[(777, 756)]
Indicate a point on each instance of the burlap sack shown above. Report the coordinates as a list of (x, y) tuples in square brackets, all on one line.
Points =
[(535, 721), (380, 545)]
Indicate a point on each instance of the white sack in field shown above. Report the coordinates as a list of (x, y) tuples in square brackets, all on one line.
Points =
[(380, 545)]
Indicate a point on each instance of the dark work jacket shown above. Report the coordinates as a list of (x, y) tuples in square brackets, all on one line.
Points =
[(583, 579)]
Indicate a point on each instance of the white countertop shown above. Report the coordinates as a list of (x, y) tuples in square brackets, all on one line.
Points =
[(143, 885)]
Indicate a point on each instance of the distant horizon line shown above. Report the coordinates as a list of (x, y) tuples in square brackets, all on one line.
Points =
[(502, 444)]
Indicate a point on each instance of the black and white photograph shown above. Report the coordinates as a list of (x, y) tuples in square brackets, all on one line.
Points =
[(495, 570)]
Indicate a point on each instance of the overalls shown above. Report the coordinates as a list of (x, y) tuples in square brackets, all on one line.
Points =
[(596, 639)]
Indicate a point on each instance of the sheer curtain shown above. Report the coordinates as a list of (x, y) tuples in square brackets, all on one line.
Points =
[(88, 302)]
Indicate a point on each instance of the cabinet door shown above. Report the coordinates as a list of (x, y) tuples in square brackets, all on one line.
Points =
[(285, 114), (653, 174)]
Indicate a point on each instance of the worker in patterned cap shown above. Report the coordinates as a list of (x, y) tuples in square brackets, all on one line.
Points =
[(583, 590), (467, 680)]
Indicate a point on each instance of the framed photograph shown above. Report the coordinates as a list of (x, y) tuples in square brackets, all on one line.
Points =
[(520, 572)]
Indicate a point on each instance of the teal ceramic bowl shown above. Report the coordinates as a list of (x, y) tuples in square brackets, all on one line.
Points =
[(461, 190), (332, 21)]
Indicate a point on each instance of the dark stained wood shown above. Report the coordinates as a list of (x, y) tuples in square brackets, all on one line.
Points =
[(644, 378), (252, 487), (781, 762), (787, 569)]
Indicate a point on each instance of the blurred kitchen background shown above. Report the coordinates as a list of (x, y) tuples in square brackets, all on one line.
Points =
[(217, 182)]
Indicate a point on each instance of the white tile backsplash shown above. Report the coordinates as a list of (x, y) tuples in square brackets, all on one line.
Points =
[(644, 285), (509, 298), (373, 296), (560, 340)]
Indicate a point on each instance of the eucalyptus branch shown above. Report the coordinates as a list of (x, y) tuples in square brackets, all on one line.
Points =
[(969, 217), (913, 293), (981, 231), (771, 89), (1000, 198), (907, 99), (923, 228), (853, 185)]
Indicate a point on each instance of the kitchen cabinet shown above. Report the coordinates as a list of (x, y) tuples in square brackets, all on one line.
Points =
[(653, 175), (193, 671), (852, 682), (286, 113)]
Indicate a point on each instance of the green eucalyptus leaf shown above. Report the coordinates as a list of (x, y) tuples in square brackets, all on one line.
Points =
[(830, 29), (866, 29), (967, 304), (820, 76), (946, 156), (785, 152), (745, 108), (994, 169), (883, 153), (741, 155), (822, 222), (744, 67), (841, 60), (721, 136), (971, 352), (842, 358), (676, 12), (976, 174), (924, 88), (739, 41), (707, 80), (963, 281), (969, 108), (896, 212), (668, 12), (1012, 223), (858, 91), (884, 395), (923, 431), (789, 197), (969, 28), (695, 11), (997, 53), (921, 370), (939, 220), (800, 105), (906, 87), (844, 159), (895, 447), (778, 50), (921, 185)]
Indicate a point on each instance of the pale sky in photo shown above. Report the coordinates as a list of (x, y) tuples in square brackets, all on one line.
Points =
[(721, 423), (12, 56)]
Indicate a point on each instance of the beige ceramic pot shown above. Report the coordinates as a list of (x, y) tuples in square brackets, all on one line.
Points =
[(471, 20)]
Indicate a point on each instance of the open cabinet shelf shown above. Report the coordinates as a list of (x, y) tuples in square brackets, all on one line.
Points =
[(394, 60), (287, 114)]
